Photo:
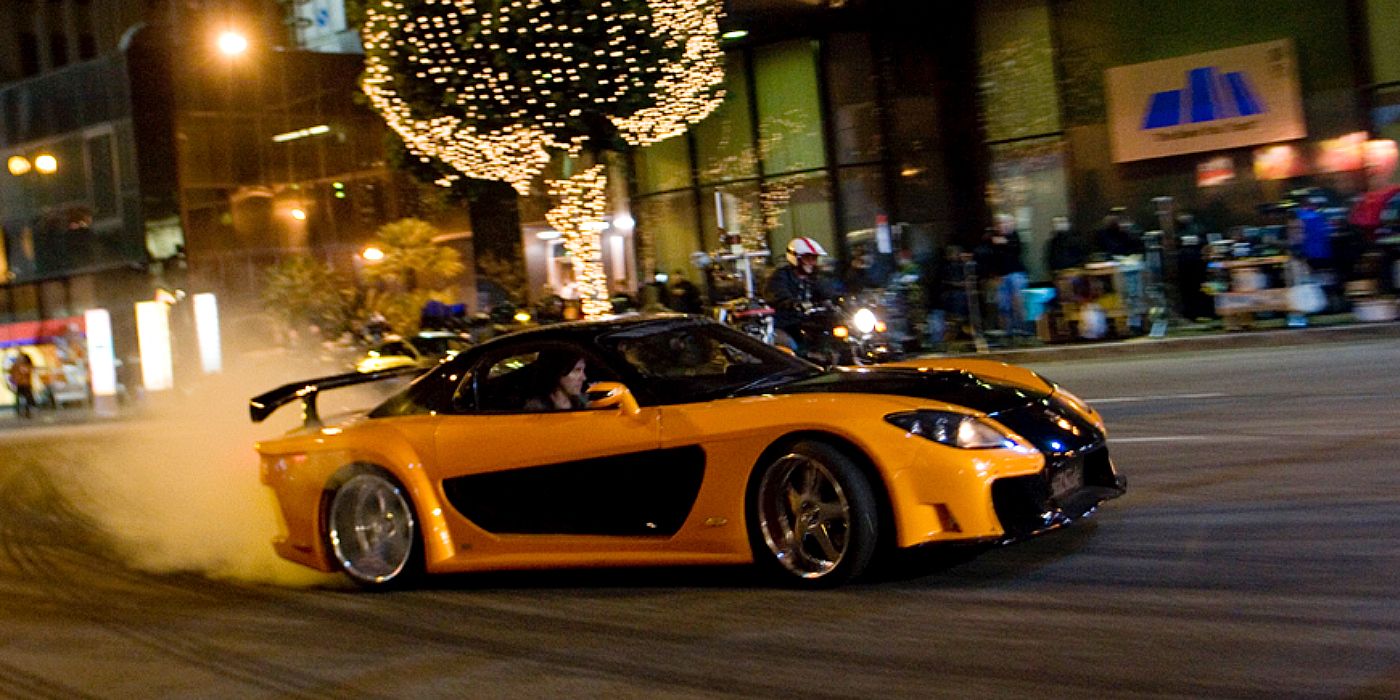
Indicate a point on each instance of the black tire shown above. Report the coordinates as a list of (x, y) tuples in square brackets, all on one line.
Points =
[(372, 530), (813, 520)]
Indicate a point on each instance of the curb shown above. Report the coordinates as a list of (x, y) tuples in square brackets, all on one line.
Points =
[(1218, 341)]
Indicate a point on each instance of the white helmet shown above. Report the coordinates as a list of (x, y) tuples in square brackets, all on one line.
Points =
[(803, 246)]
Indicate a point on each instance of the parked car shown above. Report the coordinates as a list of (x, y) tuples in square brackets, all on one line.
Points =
[(422, 350)]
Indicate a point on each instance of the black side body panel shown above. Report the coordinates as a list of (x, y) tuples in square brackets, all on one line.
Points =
[(644, 493)]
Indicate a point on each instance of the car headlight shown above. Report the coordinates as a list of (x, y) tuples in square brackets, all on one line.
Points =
[(864, 320), (952, 429)]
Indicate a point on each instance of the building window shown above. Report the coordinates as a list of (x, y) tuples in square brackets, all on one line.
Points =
[(669, 220), (663, 166), (853, 99), (28, 54), (58, 49), (724, 145), (789, 111)]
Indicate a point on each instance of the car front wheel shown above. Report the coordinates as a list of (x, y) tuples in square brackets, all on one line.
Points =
[(815, 522), (372, 530)]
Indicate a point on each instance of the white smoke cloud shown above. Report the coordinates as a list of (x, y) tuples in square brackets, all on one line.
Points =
[(176, 487)]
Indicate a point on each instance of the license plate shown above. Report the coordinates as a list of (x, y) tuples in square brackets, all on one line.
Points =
[(1067, 479)]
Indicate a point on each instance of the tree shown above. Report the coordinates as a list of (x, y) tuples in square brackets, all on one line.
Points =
[(302, 291), (412, 271), (495, 89)]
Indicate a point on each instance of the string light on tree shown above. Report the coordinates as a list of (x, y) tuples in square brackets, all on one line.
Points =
[(494, 89), (581, 217), (490, 91)]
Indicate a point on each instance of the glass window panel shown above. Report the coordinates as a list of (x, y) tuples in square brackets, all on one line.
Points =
[(863, 199), (799, 205), (24, 302), (1028, 182), (667, 226), (738, 204), (789, 111), (1017, 71), (102, 176), (54, 299), (663, 166), (724, 141), (853, 101)]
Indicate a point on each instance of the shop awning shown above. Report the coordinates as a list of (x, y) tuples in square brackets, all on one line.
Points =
[(38, 332)]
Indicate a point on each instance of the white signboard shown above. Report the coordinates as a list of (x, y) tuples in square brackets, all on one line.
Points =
[(153, 341), (1210, 101)]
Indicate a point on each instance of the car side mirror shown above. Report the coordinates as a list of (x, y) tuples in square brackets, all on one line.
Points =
[(602, 395)]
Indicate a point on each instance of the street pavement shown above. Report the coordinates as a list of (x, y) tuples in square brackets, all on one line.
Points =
[(1253, 556)]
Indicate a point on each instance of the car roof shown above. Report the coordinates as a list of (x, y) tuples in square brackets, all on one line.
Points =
[(588, 331)]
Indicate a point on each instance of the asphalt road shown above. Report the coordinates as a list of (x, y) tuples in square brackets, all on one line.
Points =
[(1254, 556)]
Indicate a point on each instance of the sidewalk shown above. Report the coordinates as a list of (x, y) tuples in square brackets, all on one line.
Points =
[(1336, 329)]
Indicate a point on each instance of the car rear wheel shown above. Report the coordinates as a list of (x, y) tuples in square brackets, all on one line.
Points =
[(372, 531), (815, 522)]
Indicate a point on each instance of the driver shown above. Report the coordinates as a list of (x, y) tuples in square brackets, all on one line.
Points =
[(794, 288), (561, 377)]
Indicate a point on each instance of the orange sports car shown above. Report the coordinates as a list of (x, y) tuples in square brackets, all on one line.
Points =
[(691, 444)]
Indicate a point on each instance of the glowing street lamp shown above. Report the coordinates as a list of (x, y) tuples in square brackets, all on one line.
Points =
[(46, 164), (372, 254), (299, 214), (232, 43), (18, 165)]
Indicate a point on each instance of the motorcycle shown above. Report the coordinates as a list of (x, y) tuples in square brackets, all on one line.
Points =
[(749, 315), (845, 332), (840, 332)]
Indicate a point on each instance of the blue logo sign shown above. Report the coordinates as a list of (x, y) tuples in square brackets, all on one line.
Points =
[(1208, 96)]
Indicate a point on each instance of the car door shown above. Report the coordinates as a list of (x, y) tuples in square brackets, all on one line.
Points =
[(512, 470)]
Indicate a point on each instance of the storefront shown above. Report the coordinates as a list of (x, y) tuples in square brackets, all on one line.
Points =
[(853, 133)]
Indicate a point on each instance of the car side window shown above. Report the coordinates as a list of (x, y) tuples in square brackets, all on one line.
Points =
[(516, 381), (506, 383), (464, 395), (394, 349)]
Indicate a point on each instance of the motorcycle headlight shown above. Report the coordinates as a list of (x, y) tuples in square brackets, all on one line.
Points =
[(864, 320), (952, 429)]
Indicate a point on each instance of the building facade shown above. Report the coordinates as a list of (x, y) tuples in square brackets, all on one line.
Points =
[(887, 130), (899, 127)]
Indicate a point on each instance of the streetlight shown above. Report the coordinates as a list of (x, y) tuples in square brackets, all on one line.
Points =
[(19, 165), (46, 164), (232, 43), (372, 254)]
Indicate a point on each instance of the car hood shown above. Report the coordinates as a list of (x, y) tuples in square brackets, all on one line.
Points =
[(958, 387)]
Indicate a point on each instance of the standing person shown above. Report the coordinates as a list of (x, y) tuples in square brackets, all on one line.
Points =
[(1116, 239), (684, 295), (1065, 250), (999, 261), (21, 376), (793, 288)]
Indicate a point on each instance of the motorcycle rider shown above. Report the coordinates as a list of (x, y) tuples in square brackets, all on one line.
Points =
[(795, 288)]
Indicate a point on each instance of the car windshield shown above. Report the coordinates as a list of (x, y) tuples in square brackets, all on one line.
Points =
[(702, 361)]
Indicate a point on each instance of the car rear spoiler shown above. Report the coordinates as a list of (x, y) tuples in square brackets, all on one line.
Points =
[(265, 404)]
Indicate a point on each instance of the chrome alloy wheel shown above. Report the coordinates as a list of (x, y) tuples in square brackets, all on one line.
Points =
[(804, 516), (372, 530)]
